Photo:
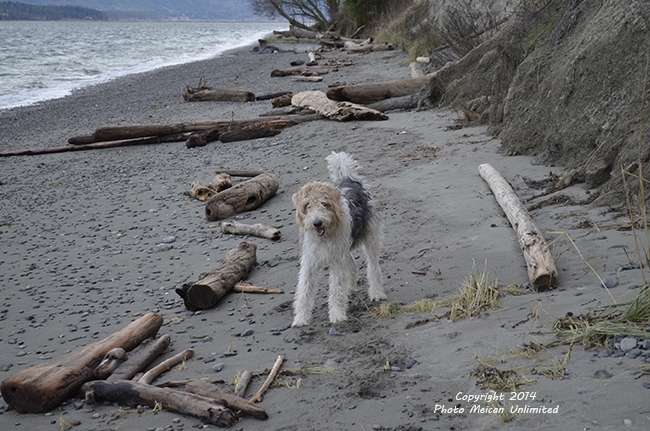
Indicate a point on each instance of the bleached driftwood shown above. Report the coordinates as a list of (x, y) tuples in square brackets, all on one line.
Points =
[(269, 380), (542, 272), (242, 287), (203, 93), (208, 290), (245, 196), (374, 92), (340, 111), (140, 357), (307, 79), (206, 389), (204, 192), (41, 388), (166, 365), (257, 229), (242, 384)]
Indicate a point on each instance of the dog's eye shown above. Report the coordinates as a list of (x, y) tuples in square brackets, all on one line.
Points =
[(305, 207), (325, 204)]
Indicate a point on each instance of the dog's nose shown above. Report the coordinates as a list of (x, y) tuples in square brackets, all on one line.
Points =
[(318, 223)]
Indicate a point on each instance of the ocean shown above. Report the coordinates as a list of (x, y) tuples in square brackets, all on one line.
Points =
[(41, 60)]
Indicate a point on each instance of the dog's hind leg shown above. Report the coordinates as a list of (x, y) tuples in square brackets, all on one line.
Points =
[(342, 278), (303, 302), (371, 247)]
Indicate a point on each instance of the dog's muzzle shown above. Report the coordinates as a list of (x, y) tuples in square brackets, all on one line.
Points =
[(320, 229)]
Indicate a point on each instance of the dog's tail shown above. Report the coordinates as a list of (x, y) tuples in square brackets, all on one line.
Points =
[(342, 167)]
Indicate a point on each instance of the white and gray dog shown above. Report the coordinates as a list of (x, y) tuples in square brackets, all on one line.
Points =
[(334, 219)]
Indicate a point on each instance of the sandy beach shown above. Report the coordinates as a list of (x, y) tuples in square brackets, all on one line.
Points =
[(93, 240)]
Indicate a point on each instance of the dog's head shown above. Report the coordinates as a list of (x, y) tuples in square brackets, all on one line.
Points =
[(318, 209)]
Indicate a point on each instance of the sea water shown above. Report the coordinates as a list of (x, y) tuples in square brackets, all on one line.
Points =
[(41, 60)]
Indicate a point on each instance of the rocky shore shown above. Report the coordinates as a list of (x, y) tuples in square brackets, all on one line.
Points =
[(93, 240)]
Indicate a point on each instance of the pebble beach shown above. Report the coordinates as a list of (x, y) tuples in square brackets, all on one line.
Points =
[(93, 240)]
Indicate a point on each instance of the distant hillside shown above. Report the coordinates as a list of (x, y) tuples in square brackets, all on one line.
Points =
[(230, 10), (23, 11)]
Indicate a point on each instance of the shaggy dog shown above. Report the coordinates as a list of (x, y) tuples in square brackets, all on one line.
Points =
[(334, 220)]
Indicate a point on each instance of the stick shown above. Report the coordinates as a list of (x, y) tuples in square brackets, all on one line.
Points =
[(242, 287), (257, 229), (242, 384), (267, 383), (166, 365), (542, 272), (207, 389), (140, 357)]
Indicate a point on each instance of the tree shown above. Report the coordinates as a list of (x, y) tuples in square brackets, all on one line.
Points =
[(300, 13)]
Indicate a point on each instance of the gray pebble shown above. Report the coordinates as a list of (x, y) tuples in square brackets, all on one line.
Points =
[(628, 343), (335, 332), (645, 344), (411, 363), (169, 239), (395, 368), (247, 332), (633, 353), (217, 367)]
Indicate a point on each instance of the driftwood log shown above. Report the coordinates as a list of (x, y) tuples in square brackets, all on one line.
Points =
[(374, 92), (204, 192), (43, 387), (249, 132), (208, 290), (542, 272), (140, 357), (245, 196), (206, 389), (203, 93), (257, 229), (133, 393), (340, 111)]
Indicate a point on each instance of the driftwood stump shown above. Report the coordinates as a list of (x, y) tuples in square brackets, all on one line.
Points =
[(542, 272), (245, 196), (43, 387), (208, 290)]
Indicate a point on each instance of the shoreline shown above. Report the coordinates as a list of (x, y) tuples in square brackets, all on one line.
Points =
[(92, 240)]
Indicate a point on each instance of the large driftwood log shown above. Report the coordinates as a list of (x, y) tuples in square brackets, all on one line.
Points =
[(133, 394), (140, 357), (206, 389), (203, 93), (542, 272), (374, 92), (42, 387), (208, 290), (340, 111), (245, 196), (257, 229)]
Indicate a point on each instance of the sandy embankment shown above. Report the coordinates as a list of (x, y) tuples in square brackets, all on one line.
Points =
[(81, 258)]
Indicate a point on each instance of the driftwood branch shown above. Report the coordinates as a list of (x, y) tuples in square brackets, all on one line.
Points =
[(257, 229), (542, 272), (140, 357), (42, 387), (134, 393), (208, 290), (166, 365), (245, 196), (233, 402), (340, 111), (251, 288), (269, 380)]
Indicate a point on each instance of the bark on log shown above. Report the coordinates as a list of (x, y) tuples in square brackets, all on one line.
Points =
[(233, 402), (42, 387), (248, 133), (374, 92), (133, 394), (257, 229), (208, 290), (340, 111), (245, 196), (542, 272), (140, 357), (203, 93)]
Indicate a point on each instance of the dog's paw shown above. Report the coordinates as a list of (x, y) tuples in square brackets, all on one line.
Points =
[(297, 323), (377, 296), (337, 317)]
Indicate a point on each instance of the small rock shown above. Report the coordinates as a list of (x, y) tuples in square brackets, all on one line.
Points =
[(628, 343), (217, 367), (335, 332), (395, 368), (633, 353), (168, 240), (411, 363), (645, 344)]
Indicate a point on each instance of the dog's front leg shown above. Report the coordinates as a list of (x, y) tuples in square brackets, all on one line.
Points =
[(303, 302), (343, 277)]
